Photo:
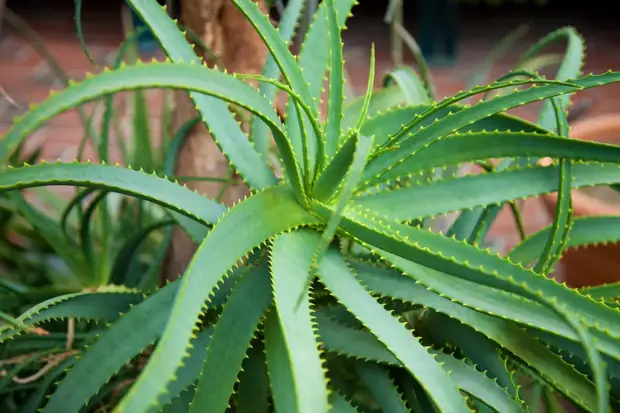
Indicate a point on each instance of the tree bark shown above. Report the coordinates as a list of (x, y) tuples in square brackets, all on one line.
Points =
[(225, 31)]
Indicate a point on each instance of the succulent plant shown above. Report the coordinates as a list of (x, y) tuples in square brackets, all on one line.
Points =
[(324, 290)]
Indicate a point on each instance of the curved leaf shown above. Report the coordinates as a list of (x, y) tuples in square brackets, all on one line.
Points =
[(172, 75), (477, 190), (122, 180), (409, 82), (263, 215), (291, 257), (455, 121), (140, 327), (106, 304), (221, 122), (335, 81), (584, 231), (339, 279), (378, 381), (235, 328), (478, 385), (507, 335), (402, 242)]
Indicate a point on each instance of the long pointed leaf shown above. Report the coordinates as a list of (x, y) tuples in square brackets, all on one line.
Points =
[(339, 279), (231, 338), (218, 253), (221, 122)]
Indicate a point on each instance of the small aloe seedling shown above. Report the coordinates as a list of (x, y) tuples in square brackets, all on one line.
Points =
[(323, 290)]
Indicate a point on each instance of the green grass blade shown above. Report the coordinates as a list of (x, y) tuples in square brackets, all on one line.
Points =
[(120, 273), (339, 279), (80, 33), (291, 259), (51, 232)]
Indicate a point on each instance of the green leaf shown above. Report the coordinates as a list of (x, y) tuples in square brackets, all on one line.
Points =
[(233, 332), (221, 122), (497, 303), (286, 28), (339, 404), (387, 122), (339, 279), (263, 215), (78, 27), (380, 101), (120, 273), (607, 292), (292, 73), (453, 122), (478, 385), (302, 371), (563, 213), (107, 304), (335, 81), (187, 375), (352, 342), (51, 232), (585, 231), (313, 61), (378, 381), (468, 262), (409, 82), (484, 189), (348, 182), (480, 350), (505, 334), (570, 67), (140, 327), (252, 395), (173, 75), (126, 181)]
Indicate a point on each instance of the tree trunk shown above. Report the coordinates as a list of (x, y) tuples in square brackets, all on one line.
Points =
[(238, 49)]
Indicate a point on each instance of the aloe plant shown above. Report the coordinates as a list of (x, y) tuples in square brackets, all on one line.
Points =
[(324, 290)]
